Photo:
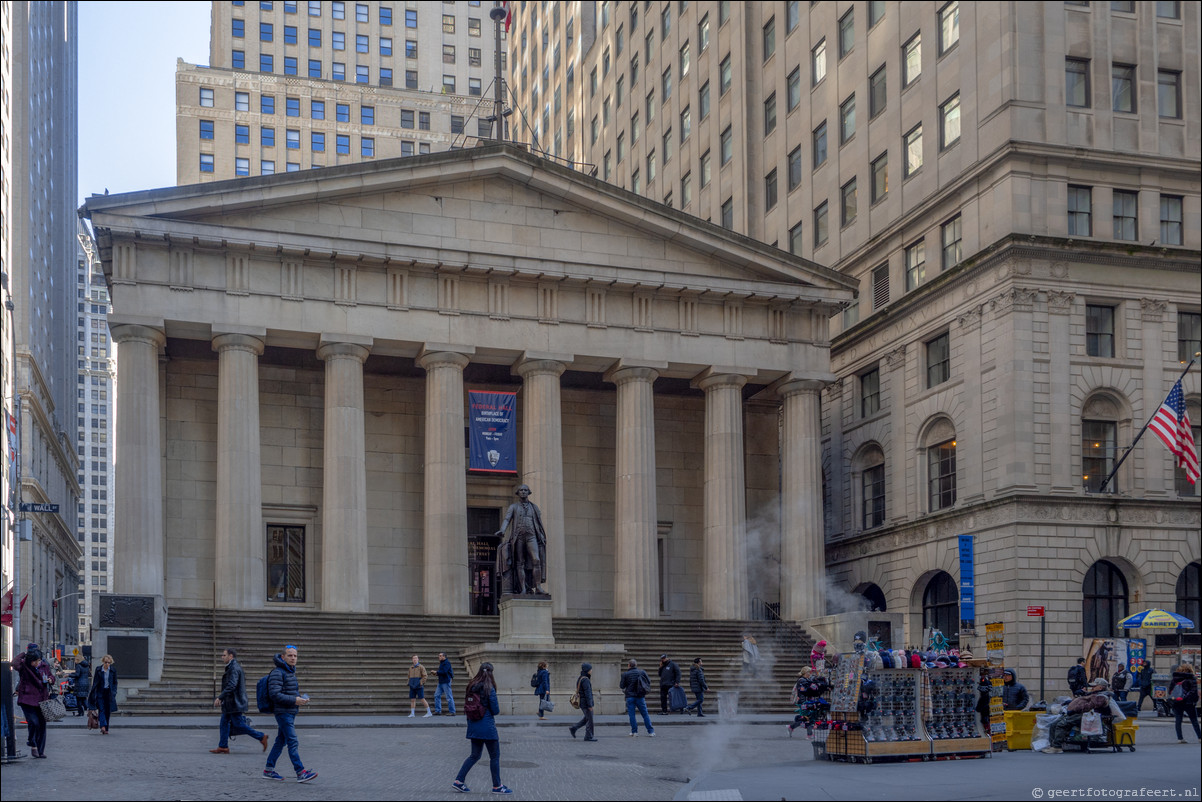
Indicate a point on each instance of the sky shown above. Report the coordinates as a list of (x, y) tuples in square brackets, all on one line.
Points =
[(127, 55)]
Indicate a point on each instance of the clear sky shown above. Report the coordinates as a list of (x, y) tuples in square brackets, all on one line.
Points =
[(127, 54)]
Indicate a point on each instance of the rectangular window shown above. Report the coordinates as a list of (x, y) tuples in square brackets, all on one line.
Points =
[(667, 145), (1122, 87), (1168, 9), (703, 100), (314, 8), (820, 222), (704, 164), (847, 33), (916, 265), (876, 12), (406, 118), (267, 137), (338, 70), (666, 84), (361, 44), (206, 97), (880, 286), (361, 14), (819, 148), (939, 355), (292, 137), (911, 60), (1076, 82), (951, 236), (880, 177), (1080, 211), (362, 76), (241, 166), (314, 68), (873, 491), (367, 115), (317, 110), (876, 92), (1099, 330), (727, 149), (949, 122), (651, 166), (1170, 219), (1189, 338), (703, 33), (949, 26), (289, 34), (367, 147), (241, 101), (686, 190), (725, 75), (723, 12), (770, 190), (342, 112), (818, 63), (1099, 447), (406, 148), (473, 27), (914, 150), (685, 60), (1127, 7), (728, 214), (342, 144), (769, 39), (795, 242), (290, 65), (238, 59), (318, 142), (1168, 93), (456, 124), (848, 206), (686, 124), (337, 39), (339, 10), (241, 134), (423, 121), (386, 77), (410, 48), (448, 84), (315, 37), (285, 563), (1126, 215), (473, 60), (795, 168), (410, 18), (941, 475), (206, 165), (847, 119), (292, 167), (473, 87), (386, 46), (794, 88), (206, 129), (770, 114), (292, 106), (238, 28), (448, 23)]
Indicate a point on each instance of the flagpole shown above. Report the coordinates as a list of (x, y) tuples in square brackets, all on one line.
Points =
[(1126, 453)]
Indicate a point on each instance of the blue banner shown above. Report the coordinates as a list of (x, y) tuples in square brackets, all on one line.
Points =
[(968, 595), (493, 431)]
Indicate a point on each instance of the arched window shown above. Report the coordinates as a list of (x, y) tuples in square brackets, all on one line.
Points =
[(875, 598), (941, 606), (1189, 600), (1105, 600), (939, 442), (870, 463)]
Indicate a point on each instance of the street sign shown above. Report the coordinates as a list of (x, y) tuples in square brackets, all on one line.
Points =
[(29, 507), (1034, 612)]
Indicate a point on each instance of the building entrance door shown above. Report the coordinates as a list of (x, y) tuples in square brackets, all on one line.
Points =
[(482, 542)]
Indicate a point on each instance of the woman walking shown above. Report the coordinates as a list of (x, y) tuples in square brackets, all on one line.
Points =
[(542, 687), (1184, 697), (32, 690), (103, 697), (480, 706)]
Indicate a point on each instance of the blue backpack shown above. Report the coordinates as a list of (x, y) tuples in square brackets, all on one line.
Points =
[(263, 694)]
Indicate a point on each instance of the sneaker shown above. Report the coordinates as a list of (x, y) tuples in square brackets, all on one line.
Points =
[(590, 739), (305, 776), (458, 786), (271, 774), (789, 729), (1051, 750), (651, 735), (428, 714), (634, 735), (410, 714), (502, 789), (573, 731), (438, 712), (1180, 740)]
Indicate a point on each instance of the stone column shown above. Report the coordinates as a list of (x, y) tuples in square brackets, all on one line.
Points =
[(344, 575), (1157, 472), (445, 575), (725, 592), (636, 527), (542, 464), (241, 581), (138, 471), (802, 546)]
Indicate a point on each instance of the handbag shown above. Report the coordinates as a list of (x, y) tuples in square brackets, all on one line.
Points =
[(545, 705), (53, 709), (93, 720), (574, 699), (1177, 694)]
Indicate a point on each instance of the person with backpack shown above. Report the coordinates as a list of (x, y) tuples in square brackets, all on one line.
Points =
[(480, 706), (1120, 683), (82, 684), (584, 693), (234, 704), (1077, 678), (283, 691), (636, 685), (1183, 696), (541, 682)]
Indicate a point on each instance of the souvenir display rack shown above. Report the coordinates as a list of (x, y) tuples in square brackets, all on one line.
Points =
[(955, 726)]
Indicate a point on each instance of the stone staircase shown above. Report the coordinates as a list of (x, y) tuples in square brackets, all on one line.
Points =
[(356, 664)]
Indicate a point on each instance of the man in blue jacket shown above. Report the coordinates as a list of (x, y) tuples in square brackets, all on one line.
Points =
[(286, 699), (446, 673)]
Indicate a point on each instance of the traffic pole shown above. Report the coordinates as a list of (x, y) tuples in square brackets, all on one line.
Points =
[(1042, 630)]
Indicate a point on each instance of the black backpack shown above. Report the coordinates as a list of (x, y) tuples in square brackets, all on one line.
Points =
[(263, 694), (473, 705), (534, 680)]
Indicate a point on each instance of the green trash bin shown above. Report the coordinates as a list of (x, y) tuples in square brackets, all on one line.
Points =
[(1020, 724)]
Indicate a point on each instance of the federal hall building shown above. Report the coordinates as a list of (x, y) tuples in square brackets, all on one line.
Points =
[(296, 351)]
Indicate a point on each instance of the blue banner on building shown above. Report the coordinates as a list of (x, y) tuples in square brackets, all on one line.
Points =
[(968, 594), (493, 431)]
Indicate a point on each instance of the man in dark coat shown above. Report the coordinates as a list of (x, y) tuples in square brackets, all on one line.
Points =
[(1077, 677), (698, 686), (83, 685), (233, 702), (286, 700), (669, 677), (1014, 693), (1145, 686), (584, 687), (635, 685)]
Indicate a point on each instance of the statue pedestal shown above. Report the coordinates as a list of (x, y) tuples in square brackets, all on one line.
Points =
[(525, 641)]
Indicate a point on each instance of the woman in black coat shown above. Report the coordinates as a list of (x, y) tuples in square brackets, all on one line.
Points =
[(103, 696), (1188, 703)]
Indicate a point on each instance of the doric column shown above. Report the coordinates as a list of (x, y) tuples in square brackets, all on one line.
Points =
[(138, 471), (542, 464), (344, 577), (802, 548), (725, 592), (240, 539), (636, 563), (445, 574)]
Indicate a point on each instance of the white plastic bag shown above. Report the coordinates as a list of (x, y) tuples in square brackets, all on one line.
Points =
[(1040, 735), (1091, 723), (1117, 711)]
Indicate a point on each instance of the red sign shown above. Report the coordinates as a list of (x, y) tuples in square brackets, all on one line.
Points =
[(1034, 612)]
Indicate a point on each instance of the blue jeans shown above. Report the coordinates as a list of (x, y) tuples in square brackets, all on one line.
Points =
[(104, 708), (236, 724), (284, 719), (639, 704), (36, 723), (444, 689), (494, 760), (700, 700)]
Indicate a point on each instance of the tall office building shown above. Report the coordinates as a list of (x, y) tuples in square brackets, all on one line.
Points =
[(40, 253), (1015, 188), (95, 400), (295, 85)]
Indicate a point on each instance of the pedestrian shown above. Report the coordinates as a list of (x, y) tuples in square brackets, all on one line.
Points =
[(103, 696), (584, 691), (32, 690), (234, 704), (1096, 697), (1183, 695), (698, 686), (751, 654), (1014, 693), (1145, 687), (417, 687), (82, 684), (445, 672), (480, 706), (636, 685), (669, 678), (808, 694), (1120, 683), (286, 700), (1077, 678), (542, 686)]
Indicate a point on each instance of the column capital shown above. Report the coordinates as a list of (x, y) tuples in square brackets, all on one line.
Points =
[(710, 381), (539, 367), (238, 342), (433, 359), (338, 350), (793, 387), (622, 374), (133, 332)]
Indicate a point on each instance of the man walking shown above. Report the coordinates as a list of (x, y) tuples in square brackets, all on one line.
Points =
[(446, 672), (636, 685), (286, 700), (417, 687), (584, 689), (1145, 687), (669, 677), (698, 686), (83, 685), (234, 705), (1077, 678)]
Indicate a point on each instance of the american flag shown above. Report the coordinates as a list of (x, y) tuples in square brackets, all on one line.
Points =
[(1171, 424)]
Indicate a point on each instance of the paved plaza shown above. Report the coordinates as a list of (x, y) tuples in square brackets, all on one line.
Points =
[(390, 757)]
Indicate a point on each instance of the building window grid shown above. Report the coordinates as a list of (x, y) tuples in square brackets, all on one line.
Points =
[(1099, 330), (916, 265), (873, 493), (1171, 219), (941, 475), (938, 355), (1126, 215), (1099, 449), (1080, 211), (952, 238)]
